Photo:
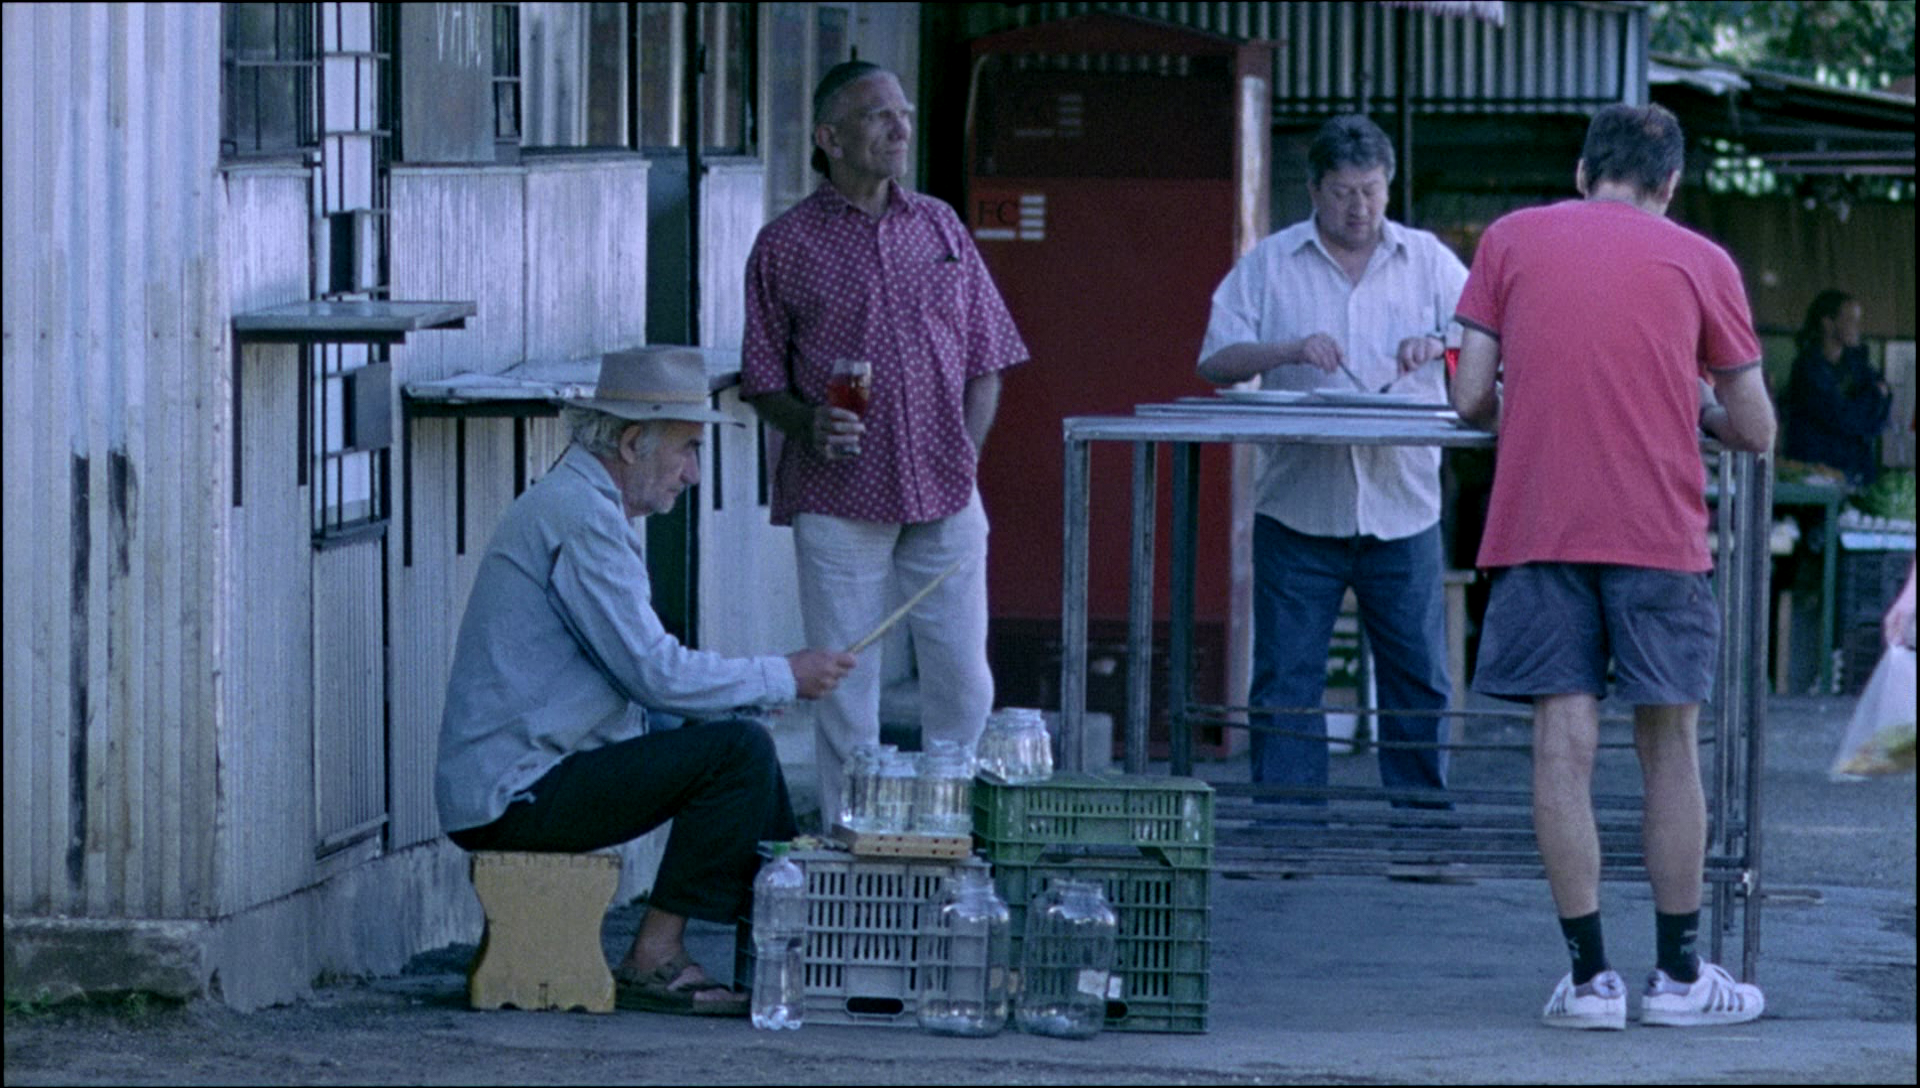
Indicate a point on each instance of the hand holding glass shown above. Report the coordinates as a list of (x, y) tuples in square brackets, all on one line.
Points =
[(849, 388)]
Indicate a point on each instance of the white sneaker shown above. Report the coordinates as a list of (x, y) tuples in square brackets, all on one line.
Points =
[(1599, 1004), (1714, 998)]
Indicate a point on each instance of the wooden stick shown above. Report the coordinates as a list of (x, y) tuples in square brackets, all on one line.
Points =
[(905, 608)]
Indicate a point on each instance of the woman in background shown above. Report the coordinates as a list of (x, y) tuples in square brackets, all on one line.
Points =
[(1836, 404)]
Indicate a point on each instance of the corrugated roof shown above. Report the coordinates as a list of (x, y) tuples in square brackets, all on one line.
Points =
[(1797, 125), (1487, 11)]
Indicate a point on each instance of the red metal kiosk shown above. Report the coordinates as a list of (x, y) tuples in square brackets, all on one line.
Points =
[(1116, 168)]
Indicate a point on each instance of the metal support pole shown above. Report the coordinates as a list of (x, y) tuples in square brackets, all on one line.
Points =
[(1759, 485), (1186, 508), (1073, 608), (1727, 690), (1140, 609)]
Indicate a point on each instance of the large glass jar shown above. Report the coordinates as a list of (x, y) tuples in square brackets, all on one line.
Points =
[(859, 785), (1015, 747), (893, 793), (965, 948), (1066, 961), (943, 803)]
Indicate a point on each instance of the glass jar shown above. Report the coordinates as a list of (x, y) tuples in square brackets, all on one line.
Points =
[(1015, 747), (943, 802), (1066, 961), (965, 950), (858, 786), (893, 793)]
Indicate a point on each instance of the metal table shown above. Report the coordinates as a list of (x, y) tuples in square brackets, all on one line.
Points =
[(1490, 832)]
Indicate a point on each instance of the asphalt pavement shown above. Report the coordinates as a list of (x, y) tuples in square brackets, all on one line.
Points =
[(1315, 979)]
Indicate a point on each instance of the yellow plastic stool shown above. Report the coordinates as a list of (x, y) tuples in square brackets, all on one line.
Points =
[(541, 947)]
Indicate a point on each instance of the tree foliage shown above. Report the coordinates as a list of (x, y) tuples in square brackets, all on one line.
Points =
[(1850, 43)]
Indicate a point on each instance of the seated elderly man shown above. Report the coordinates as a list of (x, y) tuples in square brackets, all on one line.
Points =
[(545, 743)]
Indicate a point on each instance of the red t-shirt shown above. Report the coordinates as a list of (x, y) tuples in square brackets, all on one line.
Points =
[(1607, 315)]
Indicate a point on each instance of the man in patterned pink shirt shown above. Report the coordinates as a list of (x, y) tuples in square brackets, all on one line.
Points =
[(880, 505)]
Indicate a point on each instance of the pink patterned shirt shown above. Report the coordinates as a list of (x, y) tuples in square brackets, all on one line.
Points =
[(908, 293)]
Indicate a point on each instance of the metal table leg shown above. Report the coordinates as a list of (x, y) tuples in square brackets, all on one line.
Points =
[(1140, 609), (1073, 608), (1186, 512), (1759, 484)]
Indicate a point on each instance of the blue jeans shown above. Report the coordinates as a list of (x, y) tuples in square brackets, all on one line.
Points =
[(1299, 581)]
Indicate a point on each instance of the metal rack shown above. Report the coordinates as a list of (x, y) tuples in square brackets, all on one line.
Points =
[(1489, 833)]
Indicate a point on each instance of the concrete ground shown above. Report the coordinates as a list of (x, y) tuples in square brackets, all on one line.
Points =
[(1318, 980)]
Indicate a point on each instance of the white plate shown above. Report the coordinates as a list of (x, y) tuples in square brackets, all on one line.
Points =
[(1265, 396), (1357, 399)]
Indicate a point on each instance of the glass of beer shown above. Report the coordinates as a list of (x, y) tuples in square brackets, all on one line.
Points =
[(851, 385), (1451, 340)]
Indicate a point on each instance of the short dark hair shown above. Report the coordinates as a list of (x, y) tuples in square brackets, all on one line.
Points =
[(1349, 140), (1639, 145), (830, 85)]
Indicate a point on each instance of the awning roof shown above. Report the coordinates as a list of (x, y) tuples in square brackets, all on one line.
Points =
[(348, 321), (1797, 126)]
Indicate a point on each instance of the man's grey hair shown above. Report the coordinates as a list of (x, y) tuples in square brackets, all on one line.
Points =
[(599, 432)]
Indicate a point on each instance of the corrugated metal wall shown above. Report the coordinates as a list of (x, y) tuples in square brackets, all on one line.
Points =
[(738, 545), (117, 457), (586, 276), (266, 752), (350, 786), (1332, 55)]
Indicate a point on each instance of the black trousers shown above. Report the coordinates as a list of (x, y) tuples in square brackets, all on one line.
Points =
[(719, 782)]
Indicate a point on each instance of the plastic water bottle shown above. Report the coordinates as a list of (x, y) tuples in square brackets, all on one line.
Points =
[(779, 942), (965, 949)]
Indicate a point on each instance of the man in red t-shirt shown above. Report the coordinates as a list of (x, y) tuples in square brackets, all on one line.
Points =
[(1589, 327)]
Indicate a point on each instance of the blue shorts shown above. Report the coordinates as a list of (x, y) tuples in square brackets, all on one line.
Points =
[(1550, 628)]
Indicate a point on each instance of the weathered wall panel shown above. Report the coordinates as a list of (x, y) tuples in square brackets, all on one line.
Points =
[(554, 62), (731, 197), (586, 271), (116, 370), (738, 545), (266, 755), (425, 602), (348, 694), (458, 233)]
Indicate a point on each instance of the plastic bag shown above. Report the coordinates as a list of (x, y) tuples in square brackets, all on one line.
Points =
[(1880, 738)]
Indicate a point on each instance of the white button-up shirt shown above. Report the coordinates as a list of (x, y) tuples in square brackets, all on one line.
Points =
[(1289, 287)]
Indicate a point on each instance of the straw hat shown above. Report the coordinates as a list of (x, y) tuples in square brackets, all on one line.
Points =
[(654, 383)]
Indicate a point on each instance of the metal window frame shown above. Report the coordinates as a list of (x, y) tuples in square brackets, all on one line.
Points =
[(304, 18)]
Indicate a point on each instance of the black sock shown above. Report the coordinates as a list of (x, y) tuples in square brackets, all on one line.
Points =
[(1584, 944), (1674, 937)]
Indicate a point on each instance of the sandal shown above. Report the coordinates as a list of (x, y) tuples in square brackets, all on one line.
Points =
[(655, 992)]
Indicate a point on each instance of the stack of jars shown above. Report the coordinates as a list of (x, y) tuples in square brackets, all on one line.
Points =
[(888, 791)]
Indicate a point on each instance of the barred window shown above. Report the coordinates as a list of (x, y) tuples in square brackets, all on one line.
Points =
[(268, 67)]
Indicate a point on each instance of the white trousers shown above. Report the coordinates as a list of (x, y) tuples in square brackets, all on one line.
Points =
[(847, 570)]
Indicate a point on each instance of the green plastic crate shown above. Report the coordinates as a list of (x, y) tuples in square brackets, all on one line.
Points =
[(1164, 920), (863, 933), (1170, 819)]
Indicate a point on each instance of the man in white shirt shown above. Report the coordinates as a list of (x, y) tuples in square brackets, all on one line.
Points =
[(1349, 302)]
